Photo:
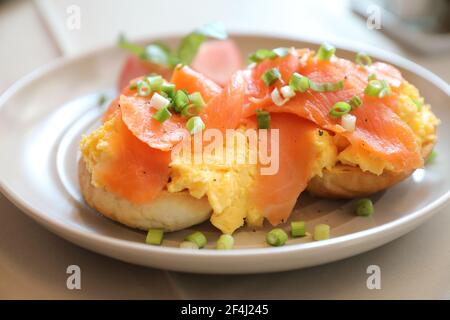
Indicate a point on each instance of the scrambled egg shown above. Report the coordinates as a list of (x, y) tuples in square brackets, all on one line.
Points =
[(228, 185), (96, 147), (414, 112)]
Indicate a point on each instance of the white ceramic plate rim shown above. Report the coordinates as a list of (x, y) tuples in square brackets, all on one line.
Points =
[(365, 235)]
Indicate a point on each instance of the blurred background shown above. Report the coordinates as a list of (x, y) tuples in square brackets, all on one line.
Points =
[(35, 32)]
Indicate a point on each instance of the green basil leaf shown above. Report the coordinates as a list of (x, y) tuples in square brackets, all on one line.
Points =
[(133, 48), (190, 44)]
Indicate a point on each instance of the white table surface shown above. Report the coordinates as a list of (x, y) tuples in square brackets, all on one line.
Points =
[(33, 261)]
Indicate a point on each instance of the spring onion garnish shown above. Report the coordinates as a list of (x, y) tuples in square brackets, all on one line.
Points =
[(339, 109), (298, 228), (168, 89), (188, 245), (298, 82), (276, 237), (181, 100), (198, 238), (101, 100), (158, 101), (287, 92), (225, 242), (377, 88), (431, 157), (327, 86), (321, 232), (261, 55), (364, 207), (270, 76), (371, 76), (154, 236), (277, 98), (355, 102), (326, 51), (162, 114), (363, 59), (348, 122), (195, 125), (155, 82), (263, 119), (418, 103), (197, 101), (143, 88)]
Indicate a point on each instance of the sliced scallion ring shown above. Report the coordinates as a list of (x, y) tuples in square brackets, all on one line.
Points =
[(270, 76), (326, 51), (195, 125), (143, 88), (162, 114), (262, 54), (363, 59), (355, 102), (377, 88), (339, 109), (327, 86), (298, 82), (263, 119)]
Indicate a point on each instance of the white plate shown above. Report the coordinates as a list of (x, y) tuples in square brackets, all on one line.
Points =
[(43, 116)]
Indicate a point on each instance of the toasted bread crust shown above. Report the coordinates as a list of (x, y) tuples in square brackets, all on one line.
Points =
[(347, 182), (170, 211)]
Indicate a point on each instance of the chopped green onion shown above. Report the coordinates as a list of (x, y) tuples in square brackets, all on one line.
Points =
[(363, 59), (263, 119), (133, 86), (155, 82), (327, 86), (298, 82), (189, 111), (143, 88), (431, 157), (101, 99), (198, 238), (386, 90), (418, 103), (154, 236), (326, 51), (339, 109), (371, 76), (355, 102), (162, 114), (364, 207), (321, 232), (276, 237), (168, 89), (298, 228), (377, 88), (261, 55), (270, 76), (225, 242), (188, 245), (195, 125), (281, 52), (181, 100), (197, 100)]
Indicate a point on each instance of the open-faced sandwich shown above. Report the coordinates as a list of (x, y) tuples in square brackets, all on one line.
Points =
[(344, 129)]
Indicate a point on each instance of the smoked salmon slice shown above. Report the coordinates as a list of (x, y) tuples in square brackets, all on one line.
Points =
[(275, 195), (132, 169)]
